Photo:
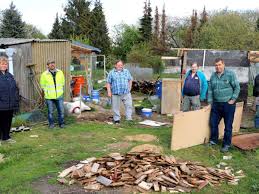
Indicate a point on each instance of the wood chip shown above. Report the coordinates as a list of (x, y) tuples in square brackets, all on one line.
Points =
[(103, 180), (156, 186), (65, 172), (95, 167), (145, 185)]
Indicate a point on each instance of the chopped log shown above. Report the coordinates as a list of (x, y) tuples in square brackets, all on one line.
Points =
[(65, 172)]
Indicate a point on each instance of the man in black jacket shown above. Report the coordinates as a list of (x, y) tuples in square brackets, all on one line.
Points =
[(256, 94), (9, 100)]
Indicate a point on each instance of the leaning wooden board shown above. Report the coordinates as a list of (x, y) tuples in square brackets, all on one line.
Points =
[(192, 128), (171, 96)]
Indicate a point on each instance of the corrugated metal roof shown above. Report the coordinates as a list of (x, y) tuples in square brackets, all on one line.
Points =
[(93, 49), (14, 41)]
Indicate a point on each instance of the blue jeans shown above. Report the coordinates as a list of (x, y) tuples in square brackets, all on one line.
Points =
[(59, 103), (226, 111)]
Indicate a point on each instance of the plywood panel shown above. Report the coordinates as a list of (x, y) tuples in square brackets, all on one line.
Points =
[(171, 96), (192, 128)]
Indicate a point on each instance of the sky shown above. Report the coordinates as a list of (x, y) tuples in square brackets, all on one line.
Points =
[(42, 13)]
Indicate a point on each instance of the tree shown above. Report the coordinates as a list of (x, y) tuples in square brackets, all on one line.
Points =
[(191, 35), (77, 18), (146, 23), (257, 25), (33, 32), (56, 32), (204, 18), (163, 34), (155, 39), (12, 24), (229, 31), (125, 38), (99, 32), (143, 55)]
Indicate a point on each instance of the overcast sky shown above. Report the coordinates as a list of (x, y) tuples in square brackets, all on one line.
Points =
[(41, 13)]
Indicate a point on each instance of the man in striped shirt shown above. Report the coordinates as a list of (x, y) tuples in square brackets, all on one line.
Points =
[(223, 92)]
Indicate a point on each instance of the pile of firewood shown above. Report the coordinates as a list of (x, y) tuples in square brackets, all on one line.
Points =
[(145, 87), (146, 172)]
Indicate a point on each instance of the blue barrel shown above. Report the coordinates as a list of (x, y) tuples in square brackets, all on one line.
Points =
[(95, 96), (159, 88)]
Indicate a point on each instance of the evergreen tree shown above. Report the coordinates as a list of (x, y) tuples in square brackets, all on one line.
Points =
[(99, 32), (257, 25), (56, 32), (77, 19), (204, 18), (192, 31), (146, 23), (12, 24), (163, 34), (156, 29)]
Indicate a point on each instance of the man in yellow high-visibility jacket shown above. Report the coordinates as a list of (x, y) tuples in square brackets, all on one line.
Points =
[(52, 82)]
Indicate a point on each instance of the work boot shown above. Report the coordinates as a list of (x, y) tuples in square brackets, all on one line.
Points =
[(225, 148), (51, 126)]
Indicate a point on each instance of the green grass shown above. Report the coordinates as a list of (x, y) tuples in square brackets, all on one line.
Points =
[(32, 158)]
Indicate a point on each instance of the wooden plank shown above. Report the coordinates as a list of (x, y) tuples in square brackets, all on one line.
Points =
[(171, 96), (198, 132)]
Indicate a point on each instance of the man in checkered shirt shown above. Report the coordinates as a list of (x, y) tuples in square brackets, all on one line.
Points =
[(119, 82)]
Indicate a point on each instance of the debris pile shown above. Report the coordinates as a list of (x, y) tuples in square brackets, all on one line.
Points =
[(146, 87), (146, 172)]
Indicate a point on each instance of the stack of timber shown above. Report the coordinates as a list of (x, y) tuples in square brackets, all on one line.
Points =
[(145, 87), (146, 172)]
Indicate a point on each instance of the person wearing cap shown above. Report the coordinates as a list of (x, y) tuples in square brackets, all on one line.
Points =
[(9, 100), (52, 82)]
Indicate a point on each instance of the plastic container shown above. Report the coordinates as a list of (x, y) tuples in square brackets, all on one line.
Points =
[(159, 88), (256, 121), (96, 96), (146, 112), (87, 98), (79, 80)]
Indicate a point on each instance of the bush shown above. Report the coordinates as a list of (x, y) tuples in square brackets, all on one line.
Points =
[(142, 54)]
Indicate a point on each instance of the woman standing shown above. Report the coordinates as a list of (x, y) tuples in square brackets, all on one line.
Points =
[(9, 100)]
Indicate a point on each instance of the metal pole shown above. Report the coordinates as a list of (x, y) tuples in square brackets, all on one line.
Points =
[(204, 57), (104, 66), (80, 98)]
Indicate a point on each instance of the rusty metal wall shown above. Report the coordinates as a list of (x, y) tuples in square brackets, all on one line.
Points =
[(60, 51)]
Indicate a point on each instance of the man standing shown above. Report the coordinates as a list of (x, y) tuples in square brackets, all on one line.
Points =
[(118, 85), (194, 88), (223, 91), (52, 82)]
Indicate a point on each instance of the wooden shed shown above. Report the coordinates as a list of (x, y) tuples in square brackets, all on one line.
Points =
[(30, 60)]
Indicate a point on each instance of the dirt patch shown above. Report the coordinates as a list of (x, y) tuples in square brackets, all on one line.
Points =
[(141, 137), (43, 186), (118, 146), (95, 116), (147, 148), (70, 163)]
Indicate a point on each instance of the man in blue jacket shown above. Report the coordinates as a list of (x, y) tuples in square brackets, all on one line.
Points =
[(194, 89)]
